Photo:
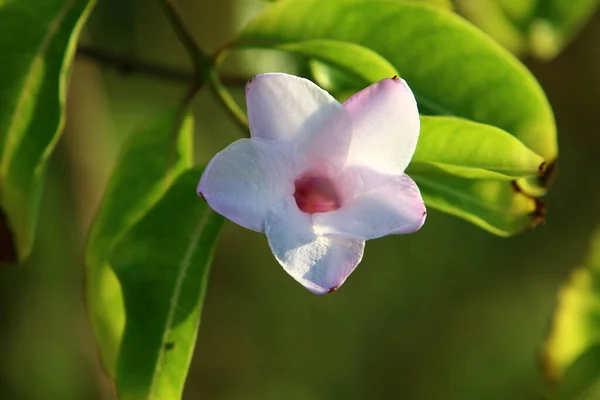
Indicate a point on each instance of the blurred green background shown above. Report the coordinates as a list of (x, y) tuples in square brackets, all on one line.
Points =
[(451, 312)]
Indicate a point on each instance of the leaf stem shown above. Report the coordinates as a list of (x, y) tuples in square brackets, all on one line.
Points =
[(200, 60), (127, 64), (227, 100), (182, 111)]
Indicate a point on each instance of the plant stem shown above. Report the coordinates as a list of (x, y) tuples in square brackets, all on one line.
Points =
[(200, 60), (126, 64), (129, 65), (227, 100), (182, 110)]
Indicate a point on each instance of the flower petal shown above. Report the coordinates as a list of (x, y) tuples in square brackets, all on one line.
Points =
[(395, 208), (326, 143), (282, 106), (319, 263), (386, 126), (247, 179)]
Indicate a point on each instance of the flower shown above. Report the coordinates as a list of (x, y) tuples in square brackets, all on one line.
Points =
[(319, 177)]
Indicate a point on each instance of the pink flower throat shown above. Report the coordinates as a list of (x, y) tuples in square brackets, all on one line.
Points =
[(316, 194)]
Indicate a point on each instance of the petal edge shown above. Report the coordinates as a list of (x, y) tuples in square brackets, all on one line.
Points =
[(320, 263)]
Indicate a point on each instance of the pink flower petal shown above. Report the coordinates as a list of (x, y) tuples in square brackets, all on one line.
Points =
[(284, 107), (319, 263), (386, 126), (395, 208), (247, 179)]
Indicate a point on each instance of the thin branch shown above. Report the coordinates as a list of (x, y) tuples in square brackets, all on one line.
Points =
[(200, 60), (129, 65), (182, 110), (227, 101)]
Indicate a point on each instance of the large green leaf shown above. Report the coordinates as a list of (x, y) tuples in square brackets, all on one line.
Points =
[(576, 322), (362, 64), (557, 22), (340, 67), (444, 4), (501, 19), (581, 381), (162, 264), (452, 67), (336, 81), (144, 171), (37, 46), (539, 27), (494, 205), (474, 150), (571, 354)]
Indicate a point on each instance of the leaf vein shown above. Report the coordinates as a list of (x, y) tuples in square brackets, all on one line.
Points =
[(185, 264)]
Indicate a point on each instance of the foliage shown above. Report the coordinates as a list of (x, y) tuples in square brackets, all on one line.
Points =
[(465, 74), (40, 48), (538, 27), (486, 154), (146, 167), (571, 354)]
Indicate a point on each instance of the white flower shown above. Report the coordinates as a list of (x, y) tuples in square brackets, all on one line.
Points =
[(319, 177)]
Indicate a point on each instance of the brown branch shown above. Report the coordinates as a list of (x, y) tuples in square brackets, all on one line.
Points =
[(128, 65), (200, 60)]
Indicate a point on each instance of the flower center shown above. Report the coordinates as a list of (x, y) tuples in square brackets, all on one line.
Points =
[(316, 194)]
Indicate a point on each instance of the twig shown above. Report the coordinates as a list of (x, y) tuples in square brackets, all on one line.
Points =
[(227, 101), (200, 60), (128, 65), (178, 123)]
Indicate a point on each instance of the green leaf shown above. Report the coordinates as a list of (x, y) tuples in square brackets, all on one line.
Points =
[(162, 264), (341, 67), (497, 206), (444, 4), (541, 28), (145, 169), (499, 19), (576, 322), (452, 67), (558, 21), (581, 381), (473, 150), (335, 80), (37, 47), (359, 62)]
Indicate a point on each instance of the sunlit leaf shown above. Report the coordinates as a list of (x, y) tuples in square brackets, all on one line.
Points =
[(496, 206), (341, 67), (474, 150), (576, 321), (453, 68), (146, 167), (444, 4), (581, 381), (335, 80), (37, 46), (360, 63), (162, 264), (500, 19), (541, 28)]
